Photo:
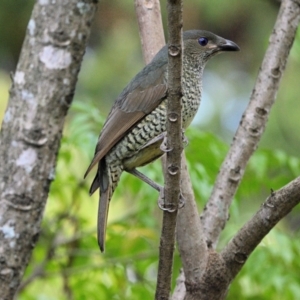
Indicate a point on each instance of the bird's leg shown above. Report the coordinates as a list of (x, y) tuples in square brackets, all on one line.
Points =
[(152, 183), (159, 188), (146, 179)]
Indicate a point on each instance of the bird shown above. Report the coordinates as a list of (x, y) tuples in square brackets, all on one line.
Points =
[(135, 128)]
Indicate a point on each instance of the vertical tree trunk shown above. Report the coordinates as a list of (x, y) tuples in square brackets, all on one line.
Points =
[(41, 93)]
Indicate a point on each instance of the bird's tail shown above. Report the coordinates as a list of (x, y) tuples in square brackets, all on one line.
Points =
[(102, 217), (108, 178)]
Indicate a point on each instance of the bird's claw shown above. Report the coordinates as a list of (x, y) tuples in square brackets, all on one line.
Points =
[(170, 207), (163, 146), (185, 140), (181, 202)]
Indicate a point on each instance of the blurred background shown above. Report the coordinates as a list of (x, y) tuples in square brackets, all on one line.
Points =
[(66, 263)]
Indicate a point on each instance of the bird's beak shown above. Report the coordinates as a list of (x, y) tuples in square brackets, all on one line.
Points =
[(228, 45)]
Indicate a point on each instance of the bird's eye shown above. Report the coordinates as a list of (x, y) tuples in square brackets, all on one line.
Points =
[(203, 41)]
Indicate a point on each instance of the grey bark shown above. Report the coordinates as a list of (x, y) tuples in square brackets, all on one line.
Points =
[(42, 90), (152, 35)]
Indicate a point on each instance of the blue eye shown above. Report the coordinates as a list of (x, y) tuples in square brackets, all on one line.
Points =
[(203, 41)]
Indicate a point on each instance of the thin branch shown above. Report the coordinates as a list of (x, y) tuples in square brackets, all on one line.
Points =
[(253, 122), (277, 206), (174, 142), (150, 27)]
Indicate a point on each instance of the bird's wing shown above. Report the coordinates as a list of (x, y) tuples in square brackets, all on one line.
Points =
[(137, 100)]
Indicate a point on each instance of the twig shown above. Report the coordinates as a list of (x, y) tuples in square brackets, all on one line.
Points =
[(253, 121)]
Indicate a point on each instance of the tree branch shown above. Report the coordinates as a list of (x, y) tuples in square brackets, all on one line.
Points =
[(150, 27), (222, 268), (41, 93), (253, 121), (277, 206), (191, 244), (187, 218), (174, 142)]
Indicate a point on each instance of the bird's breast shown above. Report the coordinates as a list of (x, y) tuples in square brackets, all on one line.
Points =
[(191, 88)]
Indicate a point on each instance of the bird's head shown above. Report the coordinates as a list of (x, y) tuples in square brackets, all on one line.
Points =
[(204, 44)]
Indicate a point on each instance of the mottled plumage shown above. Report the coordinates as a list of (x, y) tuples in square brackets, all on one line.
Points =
[(133, 132)]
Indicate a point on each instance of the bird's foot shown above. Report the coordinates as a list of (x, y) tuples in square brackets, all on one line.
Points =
[(169, 207), (163, 147)]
